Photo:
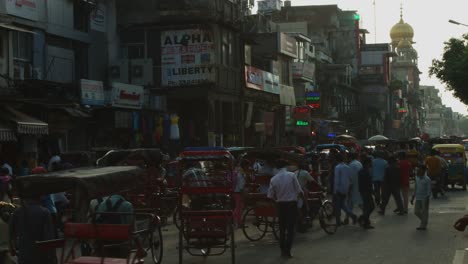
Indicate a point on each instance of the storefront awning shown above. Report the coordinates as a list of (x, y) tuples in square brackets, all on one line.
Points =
[(7, 134), (76, 112), (25, 124), (15, 28)]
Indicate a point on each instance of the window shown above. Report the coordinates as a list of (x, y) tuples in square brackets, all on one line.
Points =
[(22, 46), (81, 12), (133, 51), (226, 48)]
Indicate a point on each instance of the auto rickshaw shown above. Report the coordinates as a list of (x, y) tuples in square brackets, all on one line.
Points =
[(455, 156)]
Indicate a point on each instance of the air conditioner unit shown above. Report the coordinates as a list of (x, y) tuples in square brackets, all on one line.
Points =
[(119, 72), (141, 71)]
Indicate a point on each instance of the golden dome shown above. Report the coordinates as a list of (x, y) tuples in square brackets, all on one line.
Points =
[(401, 30), (404, 44)]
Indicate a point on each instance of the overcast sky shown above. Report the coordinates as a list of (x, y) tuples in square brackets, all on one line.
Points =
[(429, 19)]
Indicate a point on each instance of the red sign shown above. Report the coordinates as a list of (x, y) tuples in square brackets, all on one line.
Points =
[(314, 106), (301, 110)]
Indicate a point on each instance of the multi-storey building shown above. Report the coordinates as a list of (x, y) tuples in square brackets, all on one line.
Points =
[(46, 47)]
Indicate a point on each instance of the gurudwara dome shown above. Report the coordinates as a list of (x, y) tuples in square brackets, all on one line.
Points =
[(404, 44), (401, 30)]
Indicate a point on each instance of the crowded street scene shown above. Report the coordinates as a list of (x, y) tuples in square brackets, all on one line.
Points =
[(233, 131)]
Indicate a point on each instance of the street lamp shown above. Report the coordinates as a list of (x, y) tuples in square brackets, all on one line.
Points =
[(457, 23)]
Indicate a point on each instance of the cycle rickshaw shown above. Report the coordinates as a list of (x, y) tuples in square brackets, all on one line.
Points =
[(206, 216), (260, 217), (141, 236), (152, 193)]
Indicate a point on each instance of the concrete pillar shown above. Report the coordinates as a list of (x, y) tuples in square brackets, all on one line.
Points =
[(112, 36)]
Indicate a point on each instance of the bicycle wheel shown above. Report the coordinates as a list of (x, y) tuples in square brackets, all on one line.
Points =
[(176, 218), (327, 218), (275, 227), (255, 227), (156, 245)]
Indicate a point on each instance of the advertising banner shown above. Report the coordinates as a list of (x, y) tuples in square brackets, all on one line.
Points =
[(270, 83), (303, 70), (254, 78), (287, 45), (92, 92), (127, 95), (97, 18), (287, 96), (22, 8), (187, 57)]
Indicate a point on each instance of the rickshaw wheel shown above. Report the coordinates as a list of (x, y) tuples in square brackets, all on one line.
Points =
[(327, 218), (157, 246), (255, 227)]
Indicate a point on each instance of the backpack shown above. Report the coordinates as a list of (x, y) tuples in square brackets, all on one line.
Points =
[(108, 218)]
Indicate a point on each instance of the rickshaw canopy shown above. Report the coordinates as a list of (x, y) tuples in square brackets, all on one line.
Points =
[(273, 154), (89, 181), (449, 148), (119, 156)]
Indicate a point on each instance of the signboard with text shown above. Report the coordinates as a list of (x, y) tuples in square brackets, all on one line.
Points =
[(253, 78), (187, 57), (22, 8), (97, 18), (303, 70), (92, 92), (270, 83), (127, 95), (287, 45)]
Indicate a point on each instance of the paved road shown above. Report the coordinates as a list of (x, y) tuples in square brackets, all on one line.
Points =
[(395, 240)]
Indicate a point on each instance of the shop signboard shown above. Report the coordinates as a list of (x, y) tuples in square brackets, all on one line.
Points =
[(22, 8), (313, 99), (92, 92), (303, 70), (287, 45), (287, 96), (97, 18), (188, 57), (127, 95), (270, 83), (254, 78)]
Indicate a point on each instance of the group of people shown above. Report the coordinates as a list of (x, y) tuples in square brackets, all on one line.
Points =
[(365, 181)]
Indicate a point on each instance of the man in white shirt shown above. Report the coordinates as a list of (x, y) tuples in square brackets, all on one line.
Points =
[(341, 190), (7, 166), (285, 189)]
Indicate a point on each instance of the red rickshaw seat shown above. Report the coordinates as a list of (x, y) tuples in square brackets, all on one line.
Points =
[(97, 260)]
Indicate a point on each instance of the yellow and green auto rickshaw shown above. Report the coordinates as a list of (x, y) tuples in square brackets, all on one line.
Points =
[(455, 156)]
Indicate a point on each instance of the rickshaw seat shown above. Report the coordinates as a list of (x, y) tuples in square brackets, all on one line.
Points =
[(97, 260), (108, 232)]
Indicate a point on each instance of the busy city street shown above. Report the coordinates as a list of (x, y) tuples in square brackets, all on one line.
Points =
[(233, 132), (394, 240)]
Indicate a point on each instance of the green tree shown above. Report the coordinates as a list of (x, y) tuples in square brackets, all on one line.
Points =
[(452, 69)]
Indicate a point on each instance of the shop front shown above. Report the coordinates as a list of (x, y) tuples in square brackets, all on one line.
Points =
[(19, 136)]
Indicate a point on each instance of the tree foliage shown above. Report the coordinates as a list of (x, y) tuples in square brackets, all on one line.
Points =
[(452, 69)]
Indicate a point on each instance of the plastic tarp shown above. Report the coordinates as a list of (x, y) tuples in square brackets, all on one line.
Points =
[(89, 182)]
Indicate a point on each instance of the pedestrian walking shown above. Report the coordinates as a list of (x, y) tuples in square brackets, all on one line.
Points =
[(285, 190), (342, 184), (354, 197), (434, 171), (406, 169), (391, 187), (422, 193), (379, 165), (365, 189), (28, 224), (239, 185)]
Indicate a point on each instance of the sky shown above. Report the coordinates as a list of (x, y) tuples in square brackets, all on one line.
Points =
[(429, 19)]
